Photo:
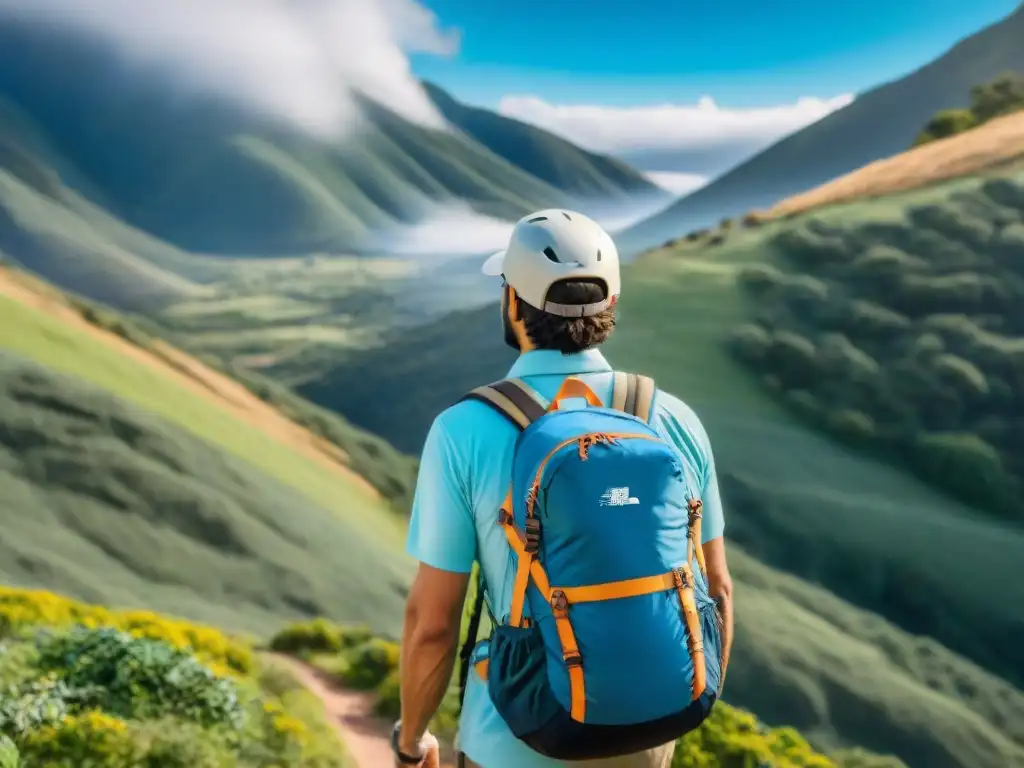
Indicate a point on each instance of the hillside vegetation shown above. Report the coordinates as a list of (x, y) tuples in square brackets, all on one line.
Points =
[(906, 336), (87, 686), (1003, 96), (127, 481), (879, 123)]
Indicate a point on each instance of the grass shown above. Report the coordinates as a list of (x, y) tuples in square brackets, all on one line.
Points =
[(117, 506)]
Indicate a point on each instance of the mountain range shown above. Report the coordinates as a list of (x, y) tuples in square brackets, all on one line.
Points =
[(881, 122)]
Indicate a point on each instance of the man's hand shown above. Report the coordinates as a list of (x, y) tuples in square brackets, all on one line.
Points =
[(429, 748)]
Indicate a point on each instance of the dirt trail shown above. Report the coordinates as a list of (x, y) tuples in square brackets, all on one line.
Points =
[(189, 373), (366, 736)]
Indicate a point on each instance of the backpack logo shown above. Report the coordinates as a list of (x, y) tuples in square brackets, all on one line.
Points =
[(617, 497)]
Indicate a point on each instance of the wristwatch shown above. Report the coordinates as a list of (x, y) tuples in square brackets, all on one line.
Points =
[(403, 758)]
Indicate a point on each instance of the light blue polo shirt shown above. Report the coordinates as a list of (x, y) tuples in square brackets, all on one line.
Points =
[(464, 474)]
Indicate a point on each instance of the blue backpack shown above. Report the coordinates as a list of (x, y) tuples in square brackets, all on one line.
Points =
[(611, 644)]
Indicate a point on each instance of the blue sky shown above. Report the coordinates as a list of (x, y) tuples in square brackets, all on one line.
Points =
[(740, 52)]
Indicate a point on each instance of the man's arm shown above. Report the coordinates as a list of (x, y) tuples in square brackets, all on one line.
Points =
[(719, 579), (430, 641), (442, 536), (720, 589)]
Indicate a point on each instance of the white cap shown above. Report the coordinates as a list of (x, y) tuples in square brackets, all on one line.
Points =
[(554, 245)]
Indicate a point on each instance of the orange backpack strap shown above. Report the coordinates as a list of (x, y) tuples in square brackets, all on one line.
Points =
[(633, 394), (517, 402)]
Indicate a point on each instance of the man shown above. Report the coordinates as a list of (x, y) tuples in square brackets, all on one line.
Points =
[(560, 276)]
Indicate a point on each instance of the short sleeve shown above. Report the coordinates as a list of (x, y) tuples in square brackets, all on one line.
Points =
[(442, 531), (713, 522)]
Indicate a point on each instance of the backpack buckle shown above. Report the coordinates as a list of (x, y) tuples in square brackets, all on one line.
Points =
[(696, 508), (559, 604), (572, 659), (532, 528), (680, 579)]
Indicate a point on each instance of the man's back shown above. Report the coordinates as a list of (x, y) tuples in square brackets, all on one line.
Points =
[(464, 474)]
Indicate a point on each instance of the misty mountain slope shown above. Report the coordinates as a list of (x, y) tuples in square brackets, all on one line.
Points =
[(882, 122), (206, 176), (543, 154)]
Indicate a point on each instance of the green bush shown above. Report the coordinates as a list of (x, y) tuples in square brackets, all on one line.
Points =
[(962, 374), (732, 738), (759, 278), (859, 758), (865, 318), (969, 467), (8, 753), (370, 663), (90, 740), (948, 122), (1005, 191), (750, 343), (134, 677), (389, 698), (841, 358), (884, 262), (851, 424), (318, 636), (808, 249)]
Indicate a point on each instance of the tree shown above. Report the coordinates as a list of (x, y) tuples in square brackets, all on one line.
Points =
[(1002, 96), (948, 122)]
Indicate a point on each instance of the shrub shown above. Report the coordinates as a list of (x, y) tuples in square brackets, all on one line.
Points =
[(953, 222), (851, 424), (804, 291), (370, 663), (808, 249), (869, 319), (1005, 191), (21, 608), (732, 738), (92, 739), (885, 262), (750, 343), (793, 355), (845, 360), (967, 466), (139, 678), (171, 743), (962, 374), (8, 753), (389, 698), (759, 279), (318, 636), (860, 758), (948, 122)]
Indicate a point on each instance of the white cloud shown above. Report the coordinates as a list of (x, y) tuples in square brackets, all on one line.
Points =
[(300, 60), (702, 138), (678, 183)]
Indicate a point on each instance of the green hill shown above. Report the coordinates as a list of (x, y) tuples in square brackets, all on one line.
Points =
[(121, 484), (881, 122), (550, 158), (204, 177)]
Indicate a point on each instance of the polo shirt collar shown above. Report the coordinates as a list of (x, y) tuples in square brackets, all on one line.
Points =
[(540, 362)]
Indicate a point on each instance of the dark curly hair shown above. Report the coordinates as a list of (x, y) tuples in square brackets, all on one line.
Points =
[(569, 334)]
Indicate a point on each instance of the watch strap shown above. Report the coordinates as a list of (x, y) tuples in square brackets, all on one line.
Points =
[(403, 758)]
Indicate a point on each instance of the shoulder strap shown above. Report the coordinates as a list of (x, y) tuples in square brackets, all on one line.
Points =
[(513, 399), (518, 403), (633, 394)]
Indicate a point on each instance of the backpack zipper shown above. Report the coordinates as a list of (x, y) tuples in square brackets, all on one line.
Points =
[(584, 444)]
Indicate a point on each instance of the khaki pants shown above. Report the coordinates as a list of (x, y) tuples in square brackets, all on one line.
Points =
[(659, 757)]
